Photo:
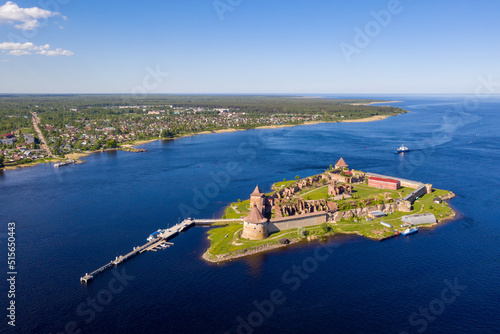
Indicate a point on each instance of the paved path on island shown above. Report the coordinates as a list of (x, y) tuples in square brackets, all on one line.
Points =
[(36, 121)]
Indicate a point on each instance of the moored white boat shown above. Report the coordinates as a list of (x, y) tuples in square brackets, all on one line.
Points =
[(409, 231)]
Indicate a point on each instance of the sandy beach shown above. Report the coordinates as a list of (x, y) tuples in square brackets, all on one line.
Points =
[(276, 126), (367, 104), (368, 119), (76, 156)]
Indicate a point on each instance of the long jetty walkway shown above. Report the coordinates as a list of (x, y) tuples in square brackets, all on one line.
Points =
[(160, 240)]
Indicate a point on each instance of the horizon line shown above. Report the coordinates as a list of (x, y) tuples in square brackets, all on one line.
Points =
[(249, 94)]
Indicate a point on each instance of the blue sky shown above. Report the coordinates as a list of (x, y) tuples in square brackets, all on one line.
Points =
[(243, 46)]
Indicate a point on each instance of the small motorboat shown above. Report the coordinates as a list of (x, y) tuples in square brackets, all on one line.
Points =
[(409, 231)]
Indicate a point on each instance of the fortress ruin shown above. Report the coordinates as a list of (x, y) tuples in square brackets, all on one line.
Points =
[(287, 208)]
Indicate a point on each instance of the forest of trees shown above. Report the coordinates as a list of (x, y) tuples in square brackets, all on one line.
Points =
[(13, 118), (254, 104)]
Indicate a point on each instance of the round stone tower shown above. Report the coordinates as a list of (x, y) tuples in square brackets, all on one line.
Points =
[(255, 226)]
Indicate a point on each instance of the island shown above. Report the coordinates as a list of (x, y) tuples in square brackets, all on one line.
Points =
[(338, 201)]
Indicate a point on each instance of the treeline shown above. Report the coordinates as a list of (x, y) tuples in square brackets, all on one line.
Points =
[(265, 105), (59, 119), (57, 109), (248, 103), (12, 119)]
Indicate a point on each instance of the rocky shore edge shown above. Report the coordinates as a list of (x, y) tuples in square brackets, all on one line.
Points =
[(244, 252)]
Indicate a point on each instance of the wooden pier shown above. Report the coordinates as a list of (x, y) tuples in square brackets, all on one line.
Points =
[(160, 241), (64, 163), (201, 222)]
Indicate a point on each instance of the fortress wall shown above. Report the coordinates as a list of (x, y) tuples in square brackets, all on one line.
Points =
[(287, 223), (417, 193), (411, 184)]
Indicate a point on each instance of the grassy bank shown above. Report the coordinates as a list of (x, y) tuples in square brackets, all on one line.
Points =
[(226, 243)]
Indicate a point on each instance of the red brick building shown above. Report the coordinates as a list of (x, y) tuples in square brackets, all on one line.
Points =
[(379, 182)]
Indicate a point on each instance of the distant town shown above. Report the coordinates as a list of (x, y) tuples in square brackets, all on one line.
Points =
[(50, 129)]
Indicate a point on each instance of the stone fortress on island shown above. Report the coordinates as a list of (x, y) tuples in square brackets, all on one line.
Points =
[(287, 208)]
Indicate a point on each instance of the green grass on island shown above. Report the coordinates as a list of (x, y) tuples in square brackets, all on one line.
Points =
[(237, 210), (226, 240), (360, 191)]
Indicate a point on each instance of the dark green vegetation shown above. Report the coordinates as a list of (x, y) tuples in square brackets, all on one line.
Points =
[(246, 103), (57, 108), (13, 118)]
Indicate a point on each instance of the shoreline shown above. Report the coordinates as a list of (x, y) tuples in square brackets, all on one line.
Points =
[(371, 103), (243, 253), (75, 156), (129, 146), (368, 119), (217, 259)]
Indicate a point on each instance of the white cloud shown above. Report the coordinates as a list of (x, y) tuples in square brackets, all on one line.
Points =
[(18, 53), (24, 18), (22, 49), (22, 46), (56, 52), (4, 61)]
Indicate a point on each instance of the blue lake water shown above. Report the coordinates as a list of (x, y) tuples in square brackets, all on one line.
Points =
[(72, 220)]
